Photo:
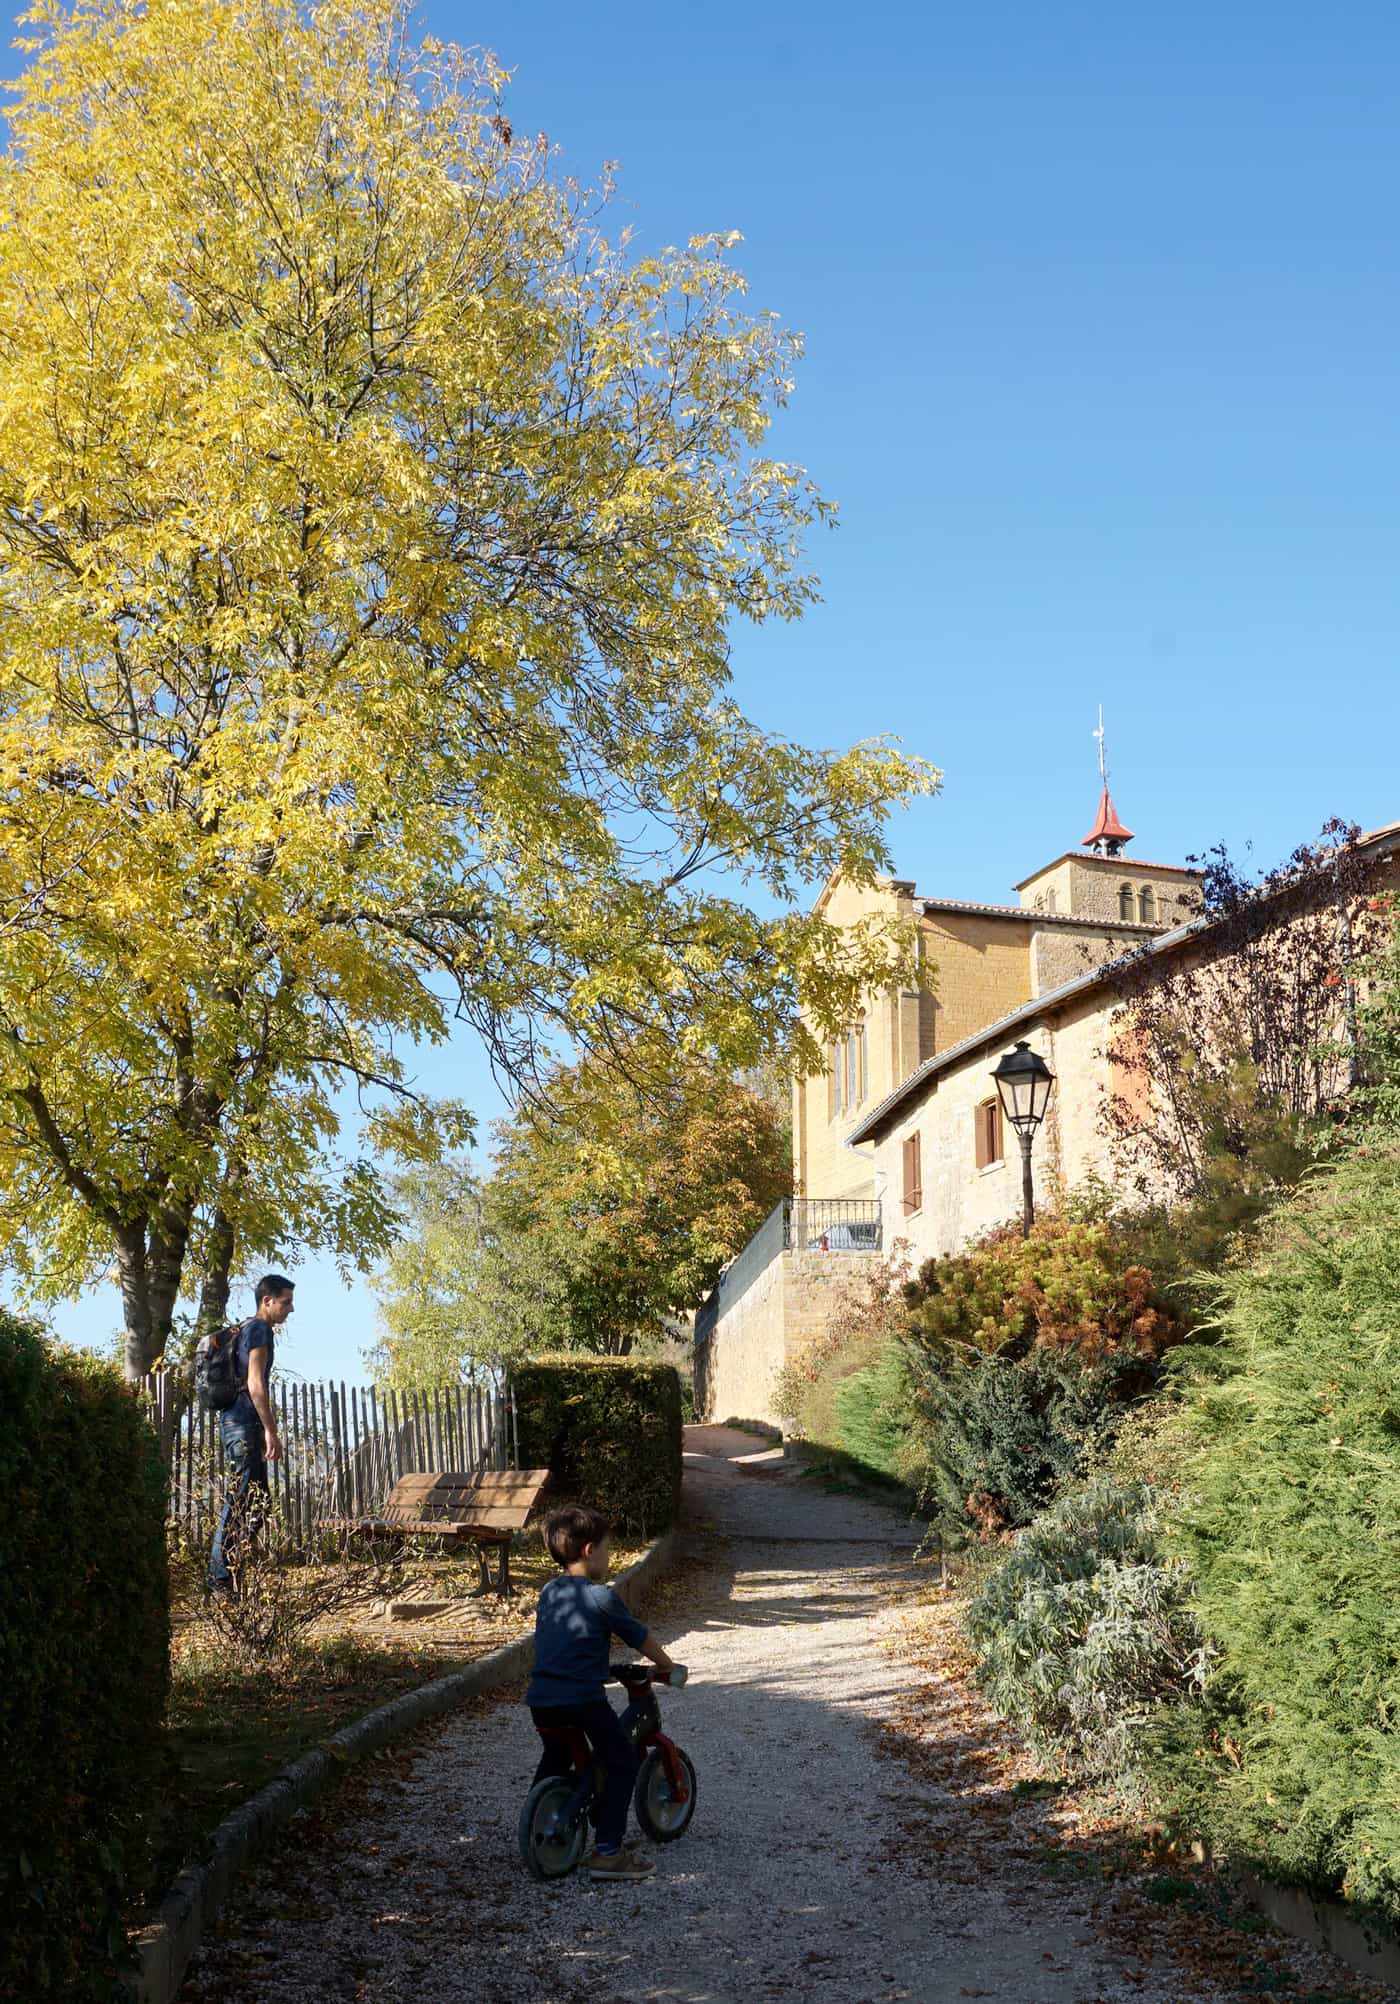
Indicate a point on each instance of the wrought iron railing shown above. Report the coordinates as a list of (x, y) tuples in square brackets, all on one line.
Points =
[(832, 1224), (798, 1224)]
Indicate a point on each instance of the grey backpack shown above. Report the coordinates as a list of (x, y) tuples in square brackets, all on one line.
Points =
[(217, 1378)]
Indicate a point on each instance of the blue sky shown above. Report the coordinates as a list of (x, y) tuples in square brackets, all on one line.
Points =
[(1101, 313)]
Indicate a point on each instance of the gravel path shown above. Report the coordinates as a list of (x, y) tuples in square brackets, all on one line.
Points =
[(804, 1874)]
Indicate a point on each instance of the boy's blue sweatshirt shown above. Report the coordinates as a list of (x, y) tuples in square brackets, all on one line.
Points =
[(573, 1622)]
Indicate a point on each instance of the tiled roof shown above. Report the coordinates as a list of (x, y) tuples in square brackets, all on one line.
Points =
[(1034, 917), (1054, 998), (1124, 865)]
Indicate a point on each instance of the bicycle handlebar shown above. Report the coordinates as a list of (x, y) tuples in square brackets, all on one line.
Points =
[(647, 1673)]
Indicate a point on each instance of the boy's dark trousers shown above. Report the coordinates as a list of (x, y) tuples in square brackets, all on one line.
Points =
[(610, 1745)]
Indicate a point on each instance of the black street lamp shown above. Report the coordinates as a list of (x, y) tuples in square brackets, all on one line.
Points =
[(1023, 1087)]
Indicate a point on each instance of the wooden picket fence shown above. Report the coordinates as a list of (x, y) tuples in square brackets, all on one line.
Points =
[(344, 1447)]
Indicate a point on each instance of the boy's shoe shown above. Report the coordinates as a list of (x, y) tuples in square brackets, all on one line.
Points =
[(625, 1866)]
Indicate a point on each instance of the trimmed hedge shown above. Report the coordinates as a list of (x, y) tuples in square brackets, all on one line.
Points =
[(84, 1662), (609, 1431)]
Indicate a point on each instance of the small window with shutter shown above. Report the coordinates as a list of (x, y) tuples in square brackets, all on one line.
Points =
[(1147, 912), (913, 1177), (987, 1133), (1125, 901)]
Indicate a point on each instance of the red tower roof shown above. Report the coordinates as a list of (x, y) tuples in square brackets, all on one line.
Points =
[(1107, 829)]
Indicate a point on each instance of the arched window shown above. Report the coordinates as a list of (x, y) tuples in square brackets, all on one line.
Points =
[(862, 1060), (836, 1056), (1125, 902), (1147, 908)]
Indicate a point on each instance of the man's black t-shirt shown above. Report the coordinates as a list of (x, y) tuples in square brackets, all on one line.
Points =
[(254, 1335)]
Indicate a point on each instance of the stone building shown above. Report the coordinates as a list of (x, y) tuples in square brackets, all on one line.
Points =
[(902, 1140)]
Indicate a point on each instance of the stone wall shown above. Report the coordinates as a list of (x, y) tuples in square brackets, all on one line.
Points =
[(982, 971), (779, 1315), (1085, 886), (1061, 953)]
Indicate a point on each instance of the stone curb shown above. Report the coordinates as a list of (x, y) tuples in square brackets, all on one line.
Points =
[(163, 1949), (1322, 1923)]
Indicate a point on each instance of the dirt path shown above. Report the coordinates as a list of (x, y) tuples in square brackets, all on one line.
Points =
[(806, 1873)]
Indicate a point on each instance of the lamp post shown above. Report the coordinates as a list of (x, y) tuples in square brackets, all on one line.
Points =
[(1023, 1087)]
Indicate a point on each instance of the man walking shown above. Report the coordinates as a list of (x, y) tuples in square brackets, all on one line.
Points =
[(249, 1425)]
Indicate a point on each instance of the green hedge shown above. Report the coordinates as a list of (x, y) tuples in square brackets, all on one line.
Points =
[(84, 1656), (609, 1431), (1292, 1527)]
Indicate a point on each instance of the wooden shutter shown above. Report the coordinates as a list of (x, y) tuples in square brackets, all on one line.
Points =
[(913, 1176), (994, 1136), (980, 1137), (987, 1133)]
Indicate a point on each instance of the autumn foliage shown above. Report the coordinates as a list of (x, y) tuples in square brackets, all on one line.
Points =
[(642, 1191), (371, 530), (1066, 1290)]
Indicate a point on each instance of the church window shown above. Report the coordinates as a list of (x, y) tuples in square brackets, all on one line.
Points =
[(913, 1177), (987, 1134), (861, 1060), (1125, 902), (1050, 902), (835, 1056), (1147, 910)]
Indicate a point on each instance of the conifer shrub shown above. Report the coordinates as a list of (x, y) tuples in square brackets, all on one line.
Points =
[(1293, 1532), (1087, 1630), (1022, 1355), (84, 1662), (609, 1431), (997, 1439)]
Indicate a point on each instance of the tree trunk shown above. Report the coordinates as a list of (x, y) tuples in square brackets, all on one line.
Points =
[(137, 1353), (215, 1287), (150, 1265)]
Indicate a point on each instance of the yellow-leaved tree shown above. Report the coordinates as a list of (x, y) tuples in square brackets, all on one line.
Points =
[(370, 529)]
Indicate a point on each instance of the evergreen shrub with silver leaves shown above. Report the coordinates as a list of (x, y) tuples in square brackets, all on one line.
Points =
[(1087, 1630)]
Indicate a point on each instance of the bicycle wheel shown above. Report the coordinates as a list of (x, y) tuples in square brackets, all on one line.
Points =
[(548, 1844), (660, 1815)]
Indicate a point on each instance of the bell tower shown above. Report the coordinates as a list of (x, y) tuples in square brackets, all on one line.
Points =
[(1108, 836)]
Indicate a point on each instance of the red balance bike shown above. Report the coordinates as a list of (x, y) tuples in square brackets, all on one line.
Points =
[(554, 1824)]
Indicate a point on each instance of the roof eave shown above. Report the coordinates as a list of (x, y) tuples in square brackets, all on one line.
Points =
[(881, 1116)]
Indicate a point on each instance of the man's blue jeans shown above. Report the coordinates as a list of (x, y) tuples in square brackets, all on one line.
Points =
[(247, 1471)]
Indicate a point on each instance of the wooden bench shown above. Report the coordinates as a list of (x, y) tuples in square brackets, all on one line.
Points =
[(482, 1509)]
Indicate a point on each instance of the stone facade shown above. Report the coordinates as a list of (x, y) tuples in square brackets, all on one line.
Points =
[(983, 963), (1113, 888), (959, 1200)]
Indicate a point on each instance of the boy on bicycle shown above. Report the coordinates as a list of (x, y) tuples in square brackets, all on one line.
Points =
[(576, 1616)]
